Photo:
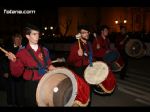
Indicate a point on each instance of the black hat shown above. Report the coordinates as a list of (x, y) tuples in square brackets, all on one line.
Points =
[(84, 27)]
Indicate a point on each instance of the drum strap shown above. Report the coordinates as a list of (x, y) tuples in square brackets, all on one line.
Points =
[(90, 54), (41, 69)]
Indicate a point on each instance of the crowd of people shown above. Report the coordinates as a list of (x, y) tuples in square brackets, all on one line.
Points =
[(23, 66)]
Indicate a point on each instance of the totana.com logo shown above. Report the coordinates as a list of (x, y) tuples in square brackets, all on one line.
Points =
[(10, 11)]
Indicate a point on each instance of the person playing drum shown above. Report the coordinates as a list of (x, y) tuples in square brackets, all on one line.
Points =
[(103, 52), (32, 62), (120, 42), (101, 44), (80, 54)]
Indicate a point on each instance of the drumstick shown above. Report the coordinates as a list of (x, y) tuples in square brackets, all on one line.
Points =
[(3, 50), (98, 46), (79, 44), (59, 60), (6, 52), (78, 36)]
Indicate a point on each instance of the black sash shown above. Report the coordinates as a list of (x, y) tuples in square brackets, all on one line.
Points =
[(41, 69)]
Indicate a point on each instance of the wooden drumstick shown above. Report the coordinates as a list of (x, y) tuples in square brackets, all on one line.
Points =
[(6, 52), (98, 46), (59, 60), (79, 43), (78, 36), (3, 50)]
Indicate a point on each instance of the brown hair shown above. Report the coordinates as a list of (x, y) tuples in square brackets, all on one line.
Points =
[(27, 29), (16, 35)]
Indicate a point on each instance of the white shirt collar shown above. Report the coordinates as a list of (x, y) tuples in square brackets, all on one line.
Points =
[(34, 47)]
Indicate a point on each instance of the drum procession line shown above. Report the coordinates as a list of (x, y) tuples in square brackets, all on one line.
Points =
[(146, 99)]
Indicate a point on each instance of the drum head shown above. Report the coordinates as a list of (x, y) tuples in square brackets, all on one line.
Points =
[(57, 88), (134, 48), (97, 73)]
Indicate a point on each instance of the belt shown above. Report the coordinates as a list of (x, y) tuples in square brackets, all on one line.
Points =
[(31, 68)]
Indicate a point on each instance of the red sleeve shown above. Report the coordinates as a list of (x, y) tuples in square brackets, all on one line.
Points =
[(73, 56), (17, 67), (98, 52)]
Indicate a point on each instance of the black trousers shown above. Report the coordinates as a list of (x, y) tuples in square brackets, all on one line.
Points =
[(15, 91), (30, 93)]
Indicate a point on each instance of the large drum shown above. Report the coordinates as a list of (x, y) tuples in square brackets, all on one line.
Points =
[(62, 87), (101, 77), (135, 48), (114, 60)]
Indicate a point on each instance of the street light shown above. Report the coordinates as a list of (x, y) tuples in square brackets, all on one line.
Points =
[(51, 28), (45, 28), (116, 22), (125, 21)]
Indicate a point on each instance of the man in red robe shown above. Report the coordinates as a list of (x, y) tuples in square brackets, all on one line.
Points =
[(81, 52), (32, 62), (101, 44), (120, 42)]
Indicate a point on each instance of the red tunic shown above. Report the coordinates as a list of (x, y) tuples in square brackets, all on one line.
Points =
[(76, 60), (24, 58), (104, 46)]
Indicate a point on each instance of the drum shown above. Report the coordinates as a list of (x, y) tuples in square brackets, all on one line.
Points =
[(62, 87), (100, 76), (135, 48), (114, 61), (111, 56)]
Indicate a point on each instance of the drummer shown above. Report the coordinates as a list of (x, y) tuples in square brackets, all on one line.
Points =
[(101, 44), (80, 54), (32, 62), (120, 42)]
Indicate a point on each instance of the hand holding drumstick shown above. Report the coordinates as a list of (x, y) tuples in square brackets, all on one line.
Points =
[(98, 45), (80, 51), (10, 55)]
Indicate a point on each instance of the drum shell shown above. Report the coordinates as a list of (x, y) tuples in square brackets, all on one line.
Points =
[(111, 56), (80, 93), (114, 60), (108, 83)]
